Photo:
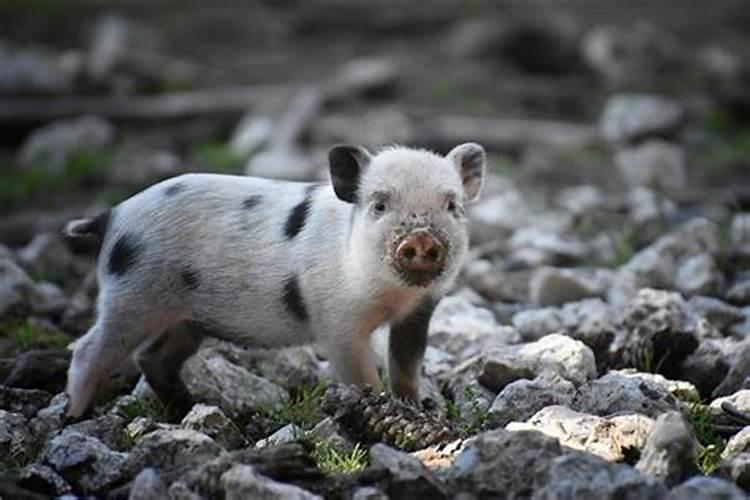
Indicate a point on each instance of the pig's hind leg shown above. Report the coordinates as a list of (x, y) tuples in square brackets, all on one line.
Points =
[(117, 333), (161, 359)]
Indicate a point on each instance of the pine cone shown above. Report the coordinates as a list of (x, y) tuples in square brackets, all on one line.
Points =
[(371, 417)]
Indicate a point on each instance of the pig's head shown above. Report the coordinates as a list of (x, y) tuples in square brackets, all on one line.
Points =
[(408, 220)]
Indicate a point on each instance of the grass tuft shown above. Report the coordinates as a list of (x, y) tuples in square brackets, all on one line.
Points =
[(334, 461), (712, 444)]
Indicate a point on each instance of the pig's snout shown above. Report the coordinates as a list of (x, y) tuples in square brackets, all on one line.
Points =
[(421, 253)]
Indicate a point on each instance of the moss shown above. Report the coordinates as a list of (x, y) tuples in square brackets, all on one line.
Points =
[(216, 156), (146, 408), (712, 444), (29, 336)]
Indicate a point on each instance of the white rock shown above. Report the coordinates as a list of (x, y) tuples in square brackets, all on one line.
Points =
[(286, 434), (211, 421), (242, 482), (552, 286), (655, 164), (632, 116)]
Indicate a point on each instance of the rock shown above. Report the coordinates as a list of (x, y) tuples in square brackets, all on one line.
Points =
[(287, 164), (16, 289), (52, 145), (172, 449), (579, 475), (87, 464), (520, 400), (497, 216), (79, 315), (502, 464), (615, 439), (48, 300), (682, 390), (15, 437), (464, 330), (363, 77), (42, 479), (659, 332), (580, 200), (291, 367), (372, 128), (699, 275), (251, 134), (547, 46), (48, 255), (739, 400), (706, 367), (656, 265), (533, 324), (242, 481), (369, 493), (631, 117), (50, 418), (33, 70), (24, 401), (706, 488), (556, 286), (593, 322), (43, 369), (409, 478), (739, 443), (649, 208), (739, 293), (740, 232), (622, 392), (671, 450), (633, 54), (557, 354), (533, 246), (738, 375), (286, 434), (654, 164), (213, 379), (718, 312), (737, 469), (109, 429), (147, 485), (137, 165), (211, 421)]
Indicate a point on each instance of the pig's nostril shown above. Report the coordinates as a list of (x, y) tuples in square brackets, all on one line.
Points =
[(409, 253), (433, 254)]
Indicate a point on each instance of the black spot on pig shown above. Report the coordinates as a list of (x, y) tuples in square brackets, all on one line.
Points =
[(292, 298), (190, 278), (251, 202), (173, 189), (124, 254), (297, 218)]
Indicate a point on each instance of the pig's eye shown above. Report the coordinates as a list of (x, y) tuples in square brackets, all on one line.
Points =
[(451, 206), (379, 207)]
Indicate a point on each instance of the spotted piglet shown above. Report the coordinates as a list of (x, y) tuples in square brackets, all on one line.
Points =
[(267, 263)]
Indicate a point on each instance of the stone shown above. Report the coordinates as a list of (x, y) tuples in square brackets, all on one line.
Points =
[(498, 215), (15, 436), (739, 293), (24, 401), (287, 164), (211, 421), (648, 208), (371, 128), (658, 332), (671, 450), (502, 464), (654, 164), (251, 134), (739, 443), (52, 145), (85, 462), (739, 232), (79, 315), (409, 478), (368, 493), (290, 367), (718, 312), (43, 369), (43, 479), (580, 200), (48, 300), (536, 245), (50, 418), (656, 265), (740, 400), (464, 329), (558, 354), (520, 400), (48, 255), (33, 70), (286, 434), (630, 117), (593, 322), (737, 469), (108, 428), (682, 390), (739, 372), (533, 324), (706, 367), (699, 275), (167, 449), (147, 485), (16, 289), (214, 380), (615, 439), (555, 286), (242, 481), (136, 165), (706, 488), (579, 475), (617, 392)]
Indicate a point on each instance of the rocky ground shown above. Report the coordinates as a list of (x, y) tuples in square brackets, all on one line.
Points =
[(597, 344)]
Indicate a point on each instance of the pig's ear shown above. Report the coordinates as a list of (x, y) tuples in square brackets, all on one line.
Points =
[(469, 159), (347, 164)]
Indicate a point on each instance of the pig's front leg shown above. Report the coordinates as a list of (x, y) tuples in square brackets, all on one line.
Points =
[(351, 357), (407, 344)]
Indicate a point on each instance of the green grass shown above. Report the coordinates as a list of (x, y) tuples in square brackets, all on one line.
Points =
[(29, 336), (82, 169), (216, 156), (333, 461), (146, 408), (471, 421), (303, 408), (712, 444)]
